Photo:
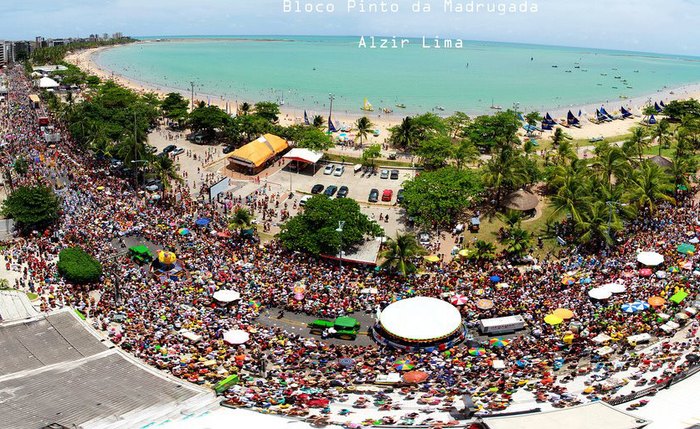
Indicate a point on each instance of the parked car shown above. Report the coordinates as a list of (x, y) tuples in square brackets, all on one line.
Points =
[(387, 194), (394, 174), (177, 151), (169, 148), (317, 189), (330, 191), (304, 199), (399, 196), (153, 185), (384, 174), (424, 238), (329, 169), (339, 170), (373, 196), (343, 192), (229, 149)]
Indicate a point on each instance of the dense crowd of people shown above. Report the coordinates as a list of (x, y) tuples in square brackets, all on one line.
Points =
[(281, 370)]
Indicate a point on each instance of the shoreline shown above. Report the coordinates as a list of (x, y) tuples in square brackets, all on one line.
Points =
[(85, 59)]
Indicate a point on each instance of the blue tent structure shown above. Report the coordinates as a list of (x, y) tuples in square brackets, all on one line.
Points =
[(331, 127), (530, 128), (652, 120), (625, 113), (658, 108), (608, 115), (572, 120)]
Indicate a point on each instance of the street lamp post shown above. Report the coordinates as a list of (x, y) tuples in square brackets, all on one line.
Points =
[(330, 112), (192, 95), (339, 230)]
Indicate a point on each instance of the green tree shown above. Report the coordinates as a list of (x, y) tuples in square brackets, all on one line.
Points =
[(573, 194), (483, 251), (310, 138), (174, 107), (78, 266), (435, 151), (512, 218), (165, 170), (464, 152), (439, 198), (208, 119), (559, 137), (404, 135), (364, 128), (371, 153), (533, 118), (314, 229), (245, 128), (245, 108), (599, 223), (517, 242), (662, 134), (32, 207), (611, 162), (494, 132), (676, 110), (318, 121), (456, 124), (636, 143), (649, 185), (21, 166), (399, 253), (268, 110), (240, 219)]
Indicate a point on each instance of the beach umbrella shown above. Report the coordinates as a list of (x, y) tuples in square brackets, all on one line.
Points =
[(346, 362), (459, 299), (650, 259), (656, 301), (585, 280), (681, 316), (640, 305), (477, 351), (495, 279), (645, 272), (254, 304), (415, 376), (464, 253), (568, 281), (685, 248), (236, 336), (553, 320), (432, 258), (628, 308), (694, 240), (661, 274), (202, 221), (674, 269), (498, 343), (226, 296), (599, 293), (563, 313), (183, 231), (484, 304), (403, 365), (679, 296), (614, 287)]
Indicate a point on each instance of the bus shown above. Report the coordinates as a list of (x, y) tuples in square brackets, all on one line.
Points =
[(501, 325)]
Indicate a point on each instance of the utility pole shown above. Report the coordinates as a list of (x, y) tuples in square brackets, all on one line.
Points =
[(330, 112), (339, 230), (192, 96)]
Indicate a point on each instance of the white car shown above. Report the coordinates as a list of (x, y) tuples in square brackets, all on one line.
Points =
[(424, 239), (329, 169), (339, 170), (384, 174), (177, 151)]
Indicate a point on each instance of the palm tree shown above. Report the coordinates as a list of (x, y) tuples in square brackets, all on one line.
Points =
[(364, 126), (559, 137), (511, 218), (400, 251), (648, 185), (572, 196), (661, 133), (610, 162), (517, 241), (164, 168), (600, 223), (483, 251), (318, 121), (240, 219), (636, 143), (404, 135), (132, 152), (245, 108)]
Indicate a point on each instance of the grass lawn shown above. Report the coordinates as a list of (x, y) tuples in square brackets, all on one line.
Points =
[(32, 296), (654, 150)]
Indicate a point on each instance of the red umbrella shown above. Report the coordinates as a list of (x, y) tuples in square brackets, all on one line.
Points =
[(318, 403), (645, 272), (459, 299), (415, 377)]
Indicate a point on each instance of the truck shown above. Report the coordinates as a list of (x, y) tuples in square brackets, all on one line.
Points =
[(501, 325), (344, 327)]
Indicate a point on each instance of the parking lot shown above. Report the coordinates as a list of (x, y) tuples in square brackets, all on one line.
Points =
[(359, 187)]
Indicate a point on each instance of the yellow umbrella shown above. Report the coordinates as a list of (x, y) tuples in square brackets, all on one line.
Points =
[(553, 320), (166, 258), (563, 313), (568, 338), (432, 258), (464, 253)]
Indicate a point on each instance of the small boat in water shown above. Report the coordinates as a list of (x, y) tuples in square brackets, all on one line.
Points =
[(440, 108), (367, 107), (401, 106), (387, 110)]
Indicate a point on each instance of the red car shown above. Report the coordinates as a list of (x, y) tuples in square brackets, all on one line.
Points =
[(387, 194)]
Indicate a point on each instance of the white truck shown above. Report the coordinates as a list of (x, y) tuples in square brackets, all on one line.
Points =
[(501, 325)]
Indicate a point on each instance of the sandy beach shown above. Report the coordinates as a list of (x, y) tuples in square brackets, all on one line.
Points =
[(85, 60)]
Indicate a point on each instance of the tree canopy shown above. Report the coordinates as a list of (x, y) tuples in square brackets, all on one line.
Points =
[(439, 198), (174, 106), (314, 229), (208, 119), (32, 207), (78, 266)]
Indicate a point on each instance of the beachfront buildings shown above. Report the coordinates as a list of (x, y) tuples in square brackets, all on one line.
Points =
[(6, 52)]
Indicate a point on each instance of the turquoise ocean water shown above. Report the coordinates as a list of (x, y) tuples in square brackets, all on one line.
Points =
[(302, 71)]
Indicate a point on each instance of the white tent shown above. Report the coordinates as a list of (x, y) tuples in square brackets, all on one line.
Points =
[(303, 155), (650, 259), (226, 296), (236, 336), (600, 293), (614, 287), (47, 82)]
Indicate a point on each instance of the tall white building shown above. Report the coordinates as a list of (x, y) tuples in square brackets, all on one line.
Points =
[(6, 52)]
